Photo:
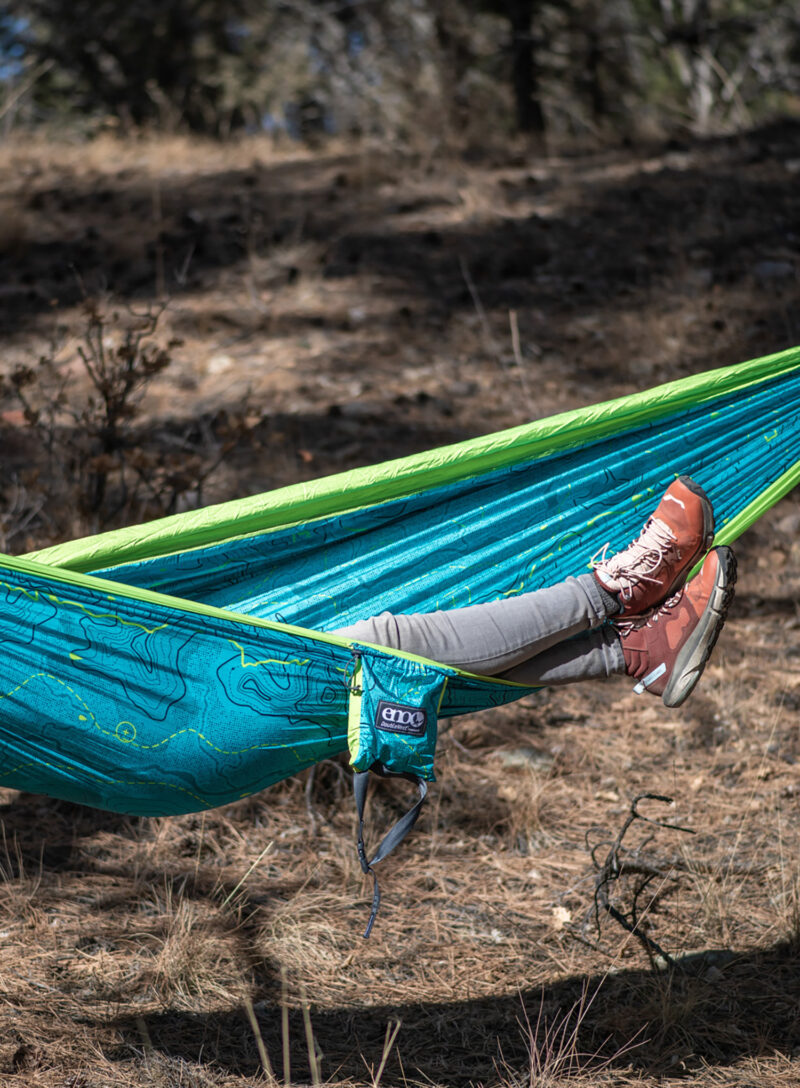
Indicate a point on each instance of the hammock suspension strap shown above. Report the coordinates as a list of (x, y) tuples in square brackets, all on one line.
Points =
[(394, 835)]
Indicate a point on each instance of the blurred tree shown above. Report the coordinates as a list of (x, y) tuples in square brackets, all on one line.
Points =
[(524, 68), (720, 63), (456, 34), (603, 61), (155, 60), (394, 68)]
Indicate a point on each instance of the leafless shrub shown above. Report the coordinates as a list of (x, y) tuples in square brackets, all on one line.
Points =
[(95, 457), (89, 433)]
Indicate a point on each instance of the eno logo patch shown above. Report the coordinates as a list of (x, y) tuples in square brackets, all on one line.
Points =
[(396, 718)]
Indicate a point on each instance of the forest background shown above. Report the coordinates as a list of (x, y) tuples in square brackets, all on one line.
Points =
[(466, 69), (247, 244)]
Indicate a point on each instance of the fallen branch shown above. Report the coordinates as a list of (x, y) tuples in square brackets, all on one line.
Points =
[(613, 867)]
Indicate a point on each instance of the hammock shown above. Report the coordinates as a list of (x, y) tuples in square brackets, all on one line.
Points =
[(183, 664)]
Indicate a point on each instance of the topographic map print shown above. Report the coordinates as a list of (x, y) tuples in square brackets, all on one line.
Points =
[(145, 709)]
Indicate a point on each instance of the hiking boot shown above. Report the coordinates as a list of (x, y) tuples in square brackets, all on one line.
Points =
[(656, 564), (668, 650)]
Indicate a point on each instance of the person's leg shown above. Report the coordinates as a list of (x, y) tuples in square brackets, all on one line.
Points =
[(591, 656), (666, 649), (530, 639), (493, 637)]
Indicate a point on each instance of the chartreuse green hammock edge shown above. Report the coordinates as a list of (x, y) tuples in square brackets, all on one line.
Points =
[(182, 664)]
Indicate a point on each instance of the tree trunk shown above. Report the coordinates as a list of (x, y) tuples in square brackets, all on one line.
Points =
[(524, 74)]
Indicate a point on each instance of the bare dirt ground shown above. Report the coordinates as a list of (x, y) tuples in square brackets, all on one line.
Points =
[(338, 308)]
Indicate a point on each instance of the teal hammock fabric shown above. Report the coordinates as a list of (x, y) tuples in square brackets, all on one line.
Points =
[(183, 664)]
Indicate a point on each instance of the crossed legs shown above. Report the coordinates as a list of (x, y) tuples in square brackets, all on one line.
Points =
[(635, 613), (530, 639)]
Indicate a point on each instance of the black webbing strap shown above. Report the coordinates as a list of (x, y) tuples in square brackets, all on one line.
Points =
[(393, 837)]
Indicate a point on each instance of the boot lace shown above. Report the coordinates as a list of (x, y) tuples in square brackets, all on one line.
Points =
[(641, 560), (625, 625)]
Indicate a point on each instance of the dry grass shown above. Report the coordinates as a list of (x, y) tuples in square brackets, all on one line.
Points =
[(329, 309)]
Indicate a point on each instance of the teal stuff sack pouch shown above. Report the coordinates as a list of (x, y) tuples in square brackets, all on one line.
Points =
[(394, 703)]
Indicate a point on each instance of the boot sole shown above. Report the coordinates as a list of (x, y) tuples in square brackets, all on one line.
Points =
[(708, 537), (692, 657)]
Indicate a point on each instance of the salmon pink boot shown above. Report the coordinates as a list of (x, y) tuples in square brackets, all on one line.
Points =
[(655, 565), (667, 650)]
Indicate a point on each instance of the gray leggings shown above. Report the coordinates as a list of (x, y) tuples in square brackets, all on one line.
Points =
[(552, 636)]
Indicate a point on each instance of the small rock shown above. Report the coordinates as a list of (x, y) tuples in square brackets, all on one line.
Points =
[(218, 364), (789, 524), (536, 758), (770, 271), (463, 389), (358, 409), (699, 278), (561, 917)]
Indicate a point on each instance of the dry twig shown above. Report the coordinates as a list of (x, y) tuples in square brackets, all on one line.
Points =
[(613, 867)]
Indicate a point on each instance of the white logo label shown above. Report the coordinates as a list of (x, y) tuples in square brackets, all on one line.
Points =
[(397, 718)]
